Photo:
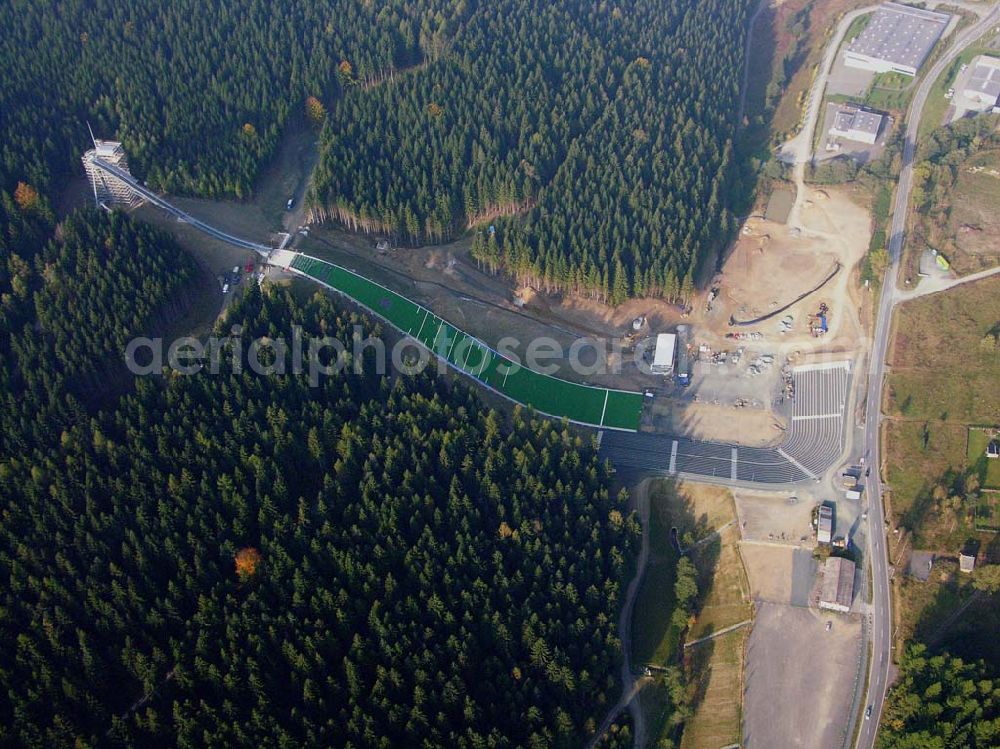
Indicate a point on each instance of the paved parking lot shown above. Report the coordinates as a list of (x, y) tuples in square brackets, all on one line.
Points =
[(779, 574), (814, 442), (845, 81), (800, 678)]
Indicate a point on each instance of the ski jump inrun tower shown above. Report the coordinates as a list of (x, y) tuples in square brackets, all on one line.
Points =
[(109, 190)]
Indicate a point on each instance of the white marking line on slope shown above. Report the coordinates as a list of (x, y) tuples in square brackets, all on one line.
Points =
[(605, 409), (732, 465), (435, 339), (817, 416), (422, 322), (673, 457), (451, 348), (487, 360), (796, 463)]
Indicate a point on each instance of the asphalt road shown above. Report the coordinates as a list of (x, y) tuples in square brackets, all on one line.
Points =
[(881, 613)]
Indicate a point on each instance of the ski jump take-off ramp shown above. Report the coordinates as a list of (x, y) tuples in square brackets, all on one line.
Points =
[(814, 439)]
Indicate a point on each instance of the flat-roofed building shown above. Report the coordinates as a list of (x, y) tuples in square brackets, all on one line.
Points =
[(856, 124), (982, 87), (824, 524), (837, 590), (897, 39), (663, 355)]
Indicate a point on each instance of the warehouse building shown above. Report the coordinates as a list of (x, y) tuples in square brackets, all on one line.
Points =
[(982, 88), (854, 123), (838, 585), (897, 39)]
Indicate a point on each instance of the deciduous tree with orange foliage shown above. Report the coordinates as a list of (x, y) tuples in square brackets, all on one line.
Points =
[(315, 111), (26, 197), (247, 561)]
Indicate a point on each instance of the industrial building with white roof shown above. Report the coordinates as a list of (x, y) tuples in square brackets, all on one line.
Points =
[(857, 124), (897, 39), (983, 85)]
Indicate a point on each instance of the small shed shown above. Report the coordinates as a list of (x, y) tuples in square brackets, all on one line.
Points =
[(966, 562), (993, 449)]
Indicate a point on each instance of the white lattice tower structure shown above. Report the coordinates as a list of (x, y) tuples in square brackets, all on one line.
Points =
[(109, 190)]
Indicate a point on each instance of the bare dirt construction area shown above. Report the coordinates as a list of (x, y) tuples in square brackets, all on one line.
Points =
[(776, 517), (772, 264), (799, 677), (758, 427)]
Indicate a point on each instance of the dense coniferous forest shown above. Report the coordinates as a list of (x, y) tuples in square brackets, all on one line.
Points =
[(245, 560), (609, 126), (198, 90), (941, 702), (68, 307)]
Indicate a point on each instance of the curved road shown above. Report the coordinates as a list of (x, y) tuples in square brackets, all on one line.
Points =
[(881, 614)]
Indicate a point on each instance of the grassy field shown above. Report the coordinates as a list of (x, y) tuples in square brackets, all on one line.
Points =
[(988, 512), (974, 223), (925, 606), (890, 92), (919, 456), (713, 669), (725, 595), (858, 25), (716, 677), (940, 367), (942, 381), (942, 390), (988, 469)]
